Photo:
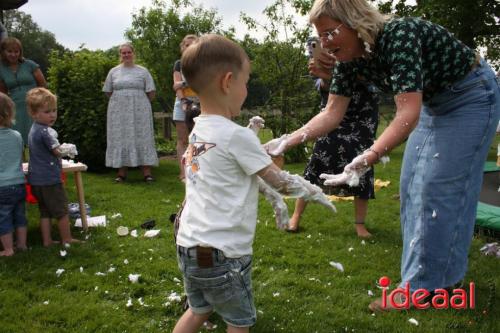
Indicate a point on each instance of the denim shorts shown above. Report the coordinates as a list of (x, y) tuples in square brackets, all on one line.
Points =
[(179, 114), (225, 288), (12, 208)]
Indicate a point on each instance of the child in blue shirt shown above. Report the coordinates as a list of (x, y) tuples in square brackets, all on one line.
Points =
[(45, 167), (12, 190)]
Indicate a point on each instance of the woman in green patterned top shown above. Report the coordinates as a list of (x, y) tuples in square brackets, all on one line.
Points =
[(17, 76), (447, 102)]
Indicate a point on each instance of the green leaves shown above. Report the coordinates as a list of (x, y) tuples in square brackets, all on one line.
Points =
[(37, 43), (479, 30), (157, 31), (279, 69), (77, 79)]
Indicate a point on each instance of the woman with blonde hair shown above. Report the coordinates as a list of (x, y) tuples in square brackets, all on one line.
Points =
[(447, 105), (130, 132), (184, 97), (17, 76)]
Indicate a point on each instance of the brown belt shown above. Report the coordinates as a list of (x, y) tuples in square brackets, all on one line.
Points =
[(204, 255)]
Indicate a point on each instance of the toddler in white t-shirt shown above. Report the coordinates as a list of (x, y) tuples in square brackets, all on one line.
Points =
[(222, 162)]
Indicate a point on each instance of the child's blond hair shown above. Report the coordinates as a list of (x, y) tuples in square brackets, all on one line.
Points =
[(211, 56), (187, 38), (38, 98), (7, 108)]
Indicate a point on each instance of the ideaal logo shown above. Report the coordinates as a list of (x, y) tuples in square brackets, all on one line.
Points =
[(423, 299)]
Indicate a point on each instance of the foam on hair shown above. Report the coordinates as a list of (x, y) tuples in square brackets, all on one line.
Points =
[(356, 14), (211, 56), (37, 98), (7, 108)]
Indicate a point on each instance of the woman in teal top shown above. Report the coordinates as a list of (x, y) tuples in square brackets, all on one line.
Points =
[(447, 105), (17, 77)]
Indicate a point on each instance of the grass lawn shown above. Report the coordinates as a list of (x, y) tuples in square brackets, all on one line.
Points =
[(295, 287)]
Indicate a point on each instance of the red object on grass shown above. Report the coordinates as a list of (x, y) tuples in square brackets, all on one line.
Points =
[(30, 198)]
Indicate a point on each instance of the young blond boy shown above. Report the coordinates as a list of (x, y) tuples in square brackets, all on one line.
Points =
[(45, 166), (223, 160)]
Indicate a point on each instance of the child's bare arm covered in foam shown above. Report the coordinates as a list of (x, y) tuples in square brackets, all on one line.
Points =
[(277, 202), (293, 185)]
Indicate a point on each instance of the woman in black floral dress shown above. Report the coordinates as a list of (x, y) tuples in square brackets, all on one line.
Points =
[(332, 152), (447, 105)]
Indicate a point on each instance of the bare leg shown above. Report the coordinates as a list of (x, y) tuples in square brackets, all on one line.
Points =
[(46, 232), (232, 329), (8, 245), (21, 238), (146, 170), (65, 231), (300, 206), (190, 322), (360, 211), (182, 142), (122, 172)]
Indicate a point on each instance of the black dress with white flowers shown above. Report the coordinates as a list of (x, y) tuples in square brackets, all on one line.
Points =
[(355, 134)]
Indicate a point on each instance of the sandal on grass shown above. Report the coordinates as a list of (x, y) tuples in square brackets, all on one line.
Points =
[(149, 179), (120, 179)]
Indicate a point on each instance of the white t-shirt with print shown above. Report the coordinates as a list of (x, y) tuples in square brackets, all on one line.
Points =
[(221, 190)]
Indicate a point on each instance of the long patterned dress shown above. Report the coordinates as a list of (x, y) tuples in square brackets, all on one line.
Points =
[(18, 83), (355, 134), (130, 134)]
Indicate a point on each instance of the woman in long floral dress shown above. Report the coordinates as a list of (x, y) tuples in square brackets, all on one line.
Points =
[(333, 151), (130, 133)]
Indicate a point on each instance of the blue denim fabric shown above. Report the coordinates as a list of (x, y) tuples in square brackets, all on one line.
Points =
[(12, 208), (441, 179), (225, 288)]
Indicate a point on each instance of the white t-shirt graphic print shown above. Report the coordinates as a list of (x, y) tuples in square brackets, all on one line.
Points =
[(221, 191)]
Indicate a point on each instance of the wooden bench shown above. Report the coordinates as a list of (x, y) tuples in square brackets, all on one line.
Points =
[(166, 123)]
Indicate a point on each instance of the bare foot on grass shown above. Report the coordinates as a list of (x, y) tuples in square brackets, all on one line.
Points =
[(7, 253), (293, 224), (52, 242), (72, 241), (361, 231)]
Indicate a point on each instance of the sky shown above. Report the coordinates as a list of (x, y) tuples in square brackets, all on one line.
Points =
[(100, 24)]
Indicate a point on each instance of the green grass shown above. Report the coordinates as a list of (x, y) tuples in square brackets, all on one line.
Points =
[(313, 296)]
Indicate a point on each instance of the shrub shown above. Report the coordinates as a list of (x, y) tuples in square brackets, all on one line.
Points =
[(77, 79)]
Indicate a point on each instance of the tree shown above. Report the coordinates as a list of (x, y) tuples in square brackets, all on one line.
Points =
[(37, 43), (77, 79), (279, 63), (476, 23), (157, 31)]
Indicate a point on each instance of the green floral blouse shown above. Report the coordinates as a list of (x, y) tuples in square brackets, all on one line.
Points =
[(410, 55)]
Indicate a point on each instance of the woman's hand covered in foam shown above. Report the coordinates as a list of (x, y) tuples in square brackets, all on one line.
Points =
[(277, 147), (352, 172)]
